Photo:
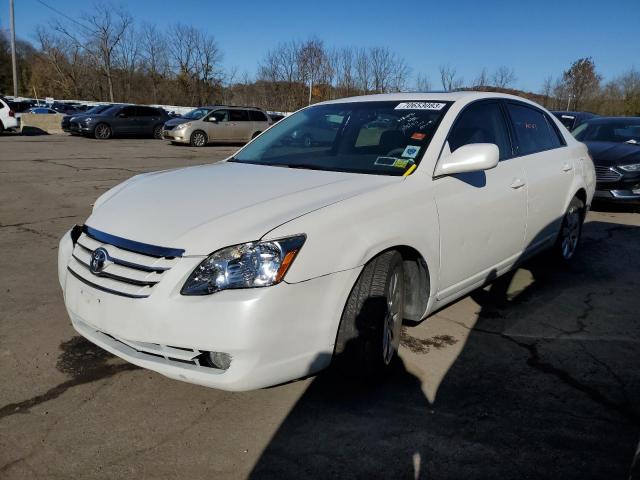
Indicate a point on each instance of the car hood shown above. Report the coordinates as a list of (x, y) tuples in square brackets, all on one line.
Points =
[(200, 209), (613, 153), (178, 121)]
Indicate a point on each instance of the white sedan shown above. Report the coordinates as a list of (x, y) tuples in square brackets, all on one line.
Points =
[(287, 257)]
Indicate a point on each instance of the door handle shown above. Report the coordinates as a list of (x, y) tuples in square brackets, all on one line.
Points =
[(517, 183), (567, 168)]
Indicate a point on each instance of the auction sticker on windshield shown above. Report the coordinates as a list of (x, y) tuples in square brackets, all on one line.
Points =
[(411, 151), (420, 106)]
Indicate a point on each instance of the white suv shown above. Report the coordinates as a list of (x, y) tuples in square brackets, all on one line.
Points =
[(290, 255), (7, 116)]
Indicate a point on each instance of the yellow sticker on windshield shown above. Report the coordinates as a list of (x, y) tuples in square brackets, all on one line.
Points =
[(401, 163)]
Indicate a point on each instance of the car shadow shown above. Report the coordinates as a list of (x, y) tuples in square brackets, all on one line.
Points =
[(547, 385)]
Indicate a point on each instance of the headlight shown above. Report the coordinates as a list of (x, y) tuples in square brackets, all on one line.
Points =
[(87, 119), (248, 265), (183, 125), (630, 168)]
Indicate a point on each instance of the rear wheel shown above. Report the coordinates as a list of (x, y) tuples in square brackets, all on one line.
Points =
[(102, 131), (198, 139), (571, 230), (369, 333)]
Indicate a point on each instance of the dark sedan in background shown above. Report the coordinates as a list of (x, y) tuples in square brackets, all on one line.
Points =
[(573, 120), (614, 146), (121, 120)]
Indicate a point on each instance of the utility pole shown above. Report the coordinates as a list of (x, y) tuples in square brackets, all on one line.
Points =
[(13, 49)]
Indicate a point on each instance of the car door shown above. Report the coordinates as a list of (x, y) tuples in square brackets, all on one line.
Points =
[(482, 215), (147, 118), (239, 123), (125, 121), (549, 171), (220, 130), (259, 121)]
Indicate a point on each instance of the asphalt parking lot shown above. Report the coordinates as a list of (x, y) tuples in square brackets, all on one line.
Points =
[(535, 376)]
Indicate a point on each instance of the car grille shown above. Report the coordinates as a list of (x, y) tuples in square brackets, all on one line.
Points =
[(74, 125), (607, 174), (131, 269)]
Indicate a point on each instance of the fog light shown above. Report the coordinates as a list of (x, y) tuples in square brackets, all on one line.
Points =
[(220, 360)]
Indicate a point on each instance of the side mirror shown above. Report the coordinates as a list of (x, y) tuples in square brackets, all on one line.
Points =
[(213, 119), (469, 158), (122, 115)]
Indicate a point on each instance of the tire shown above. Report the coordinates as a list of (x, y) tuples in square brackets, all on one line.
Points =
[(570, 232), (1, 127), (255, 135), (157, 132), (371, 323), (198, 139), (102, 131)]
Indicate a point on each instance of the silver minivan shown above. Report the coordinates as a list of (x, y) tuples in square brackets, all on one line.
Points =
[(218, 123)]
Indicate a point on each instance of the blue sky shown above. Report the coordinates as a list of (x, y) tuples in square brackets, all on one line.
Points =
[(536, 38)]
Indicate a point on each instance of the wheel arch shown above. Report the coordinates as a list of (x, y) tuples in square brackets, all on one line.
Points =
[(417, 279)]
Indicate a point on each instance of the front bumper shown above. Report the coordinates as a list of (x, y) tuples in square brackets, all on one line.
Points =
[(273, 334), (178, 136), (627, 189)]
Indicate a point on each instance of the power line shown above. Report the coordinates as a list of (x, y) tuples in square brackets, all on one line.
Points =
[(64, 15)]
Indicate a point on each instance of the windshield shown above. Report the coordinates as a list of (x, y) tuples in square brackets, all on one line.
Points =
[(97, 109), (384, 138), (196, 114), (618, 130)]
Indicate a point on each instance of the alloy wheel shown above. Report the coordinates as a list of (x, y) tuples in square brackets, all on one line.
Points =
[(103, 131), (570, 232), (393, 318)]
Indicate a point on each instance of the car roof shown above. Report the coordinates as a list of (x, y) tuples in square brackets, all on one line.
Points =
[(228, 106), (464, 95), (613, 119), (574, 113)]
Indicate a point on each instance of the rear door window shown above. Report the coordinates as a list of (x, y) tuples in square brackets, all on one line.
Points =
[(481, 122), (238, 116), (257, 116), (533, 131), (128, 112)]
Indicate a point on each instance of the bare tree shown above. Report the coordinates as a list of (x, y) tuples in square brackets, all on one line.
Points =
[(504, 77), (154, 57), (100, 36), (581, 80), (482, 80), (312, 61), (423, 83), (547, 90), (449, 79)]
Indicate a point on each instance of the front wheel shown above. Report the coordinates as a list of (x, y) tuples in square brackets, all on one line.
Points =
[(198, 139), (371, 324), (157, 132), (570, 231), (102, 131)]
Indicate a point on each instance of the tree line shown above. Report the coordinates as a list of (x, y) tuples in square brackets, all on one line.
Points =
[(107, 56)]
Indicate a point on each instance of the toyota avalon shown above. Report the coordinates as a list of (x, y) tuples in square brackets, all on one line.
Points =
[(290, 256)]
